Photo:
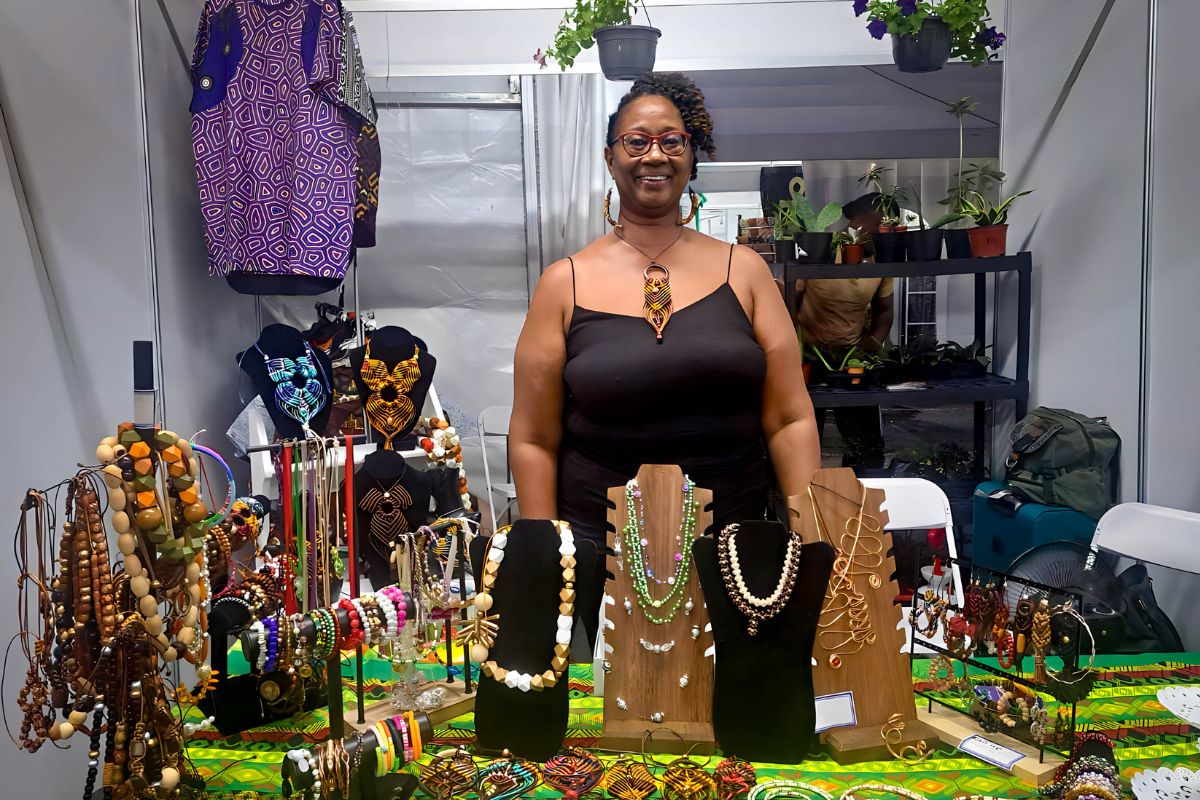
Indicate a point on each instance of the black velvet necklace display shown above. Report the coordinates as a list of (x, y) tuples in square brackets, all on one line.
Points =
[(285, 342), (392, 345), (772, 671), (391, 498), (526, 596)]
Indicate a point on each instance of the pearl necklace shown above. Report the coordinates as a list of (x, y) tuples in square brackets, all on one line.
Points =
[(756, 609), (481, 631), (635, 550)]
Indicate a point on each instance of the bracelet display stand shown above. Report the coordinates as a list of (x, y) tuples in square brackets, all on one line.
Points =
[(952, 724), (877, 677), (649, 682)]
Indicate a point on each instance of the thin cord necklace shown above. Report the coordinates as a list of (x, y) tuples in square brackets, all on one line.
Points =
[(656, 288)]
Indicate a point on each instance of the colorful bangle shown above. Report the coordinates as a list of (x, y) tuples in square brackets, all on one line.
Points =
[(414, 731), (384, 750), (406, 736)]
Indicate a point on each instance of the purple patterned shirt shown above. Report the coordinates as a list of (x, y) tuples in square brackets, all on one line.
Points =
[(275, 158)]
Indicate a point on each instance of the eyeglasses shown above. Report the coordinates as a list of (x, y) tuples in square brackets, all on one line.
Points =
[(637, 144)]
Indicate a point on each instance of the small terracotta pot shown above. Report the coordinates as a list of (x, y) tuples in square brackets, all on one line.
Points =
[(855, 371), (988, 241), (852, 253)]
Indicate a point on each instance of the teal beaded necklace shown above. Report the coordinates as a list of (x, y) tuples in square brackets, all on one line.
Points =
[(635, 551)]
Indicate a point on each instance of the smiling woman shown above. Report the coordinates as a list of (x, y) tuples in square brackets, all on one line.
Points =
[(656, 344)]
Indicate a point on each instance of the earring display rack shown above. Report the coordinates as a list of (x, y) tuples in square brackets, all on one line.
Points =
[(948, 717)]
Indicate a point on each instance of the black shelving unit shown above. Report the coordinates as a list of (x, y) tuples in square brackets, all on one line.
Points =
[(978, 391)]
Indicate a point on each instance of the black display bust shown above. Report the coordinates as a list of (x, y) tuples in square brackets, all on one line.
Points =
[(391, 345), (526, 596), (763, 707), (284, 341), (384, 470)]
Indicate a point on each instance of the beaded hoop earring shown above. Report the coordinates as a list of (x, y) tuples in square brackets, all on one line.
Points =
[(695, 207)]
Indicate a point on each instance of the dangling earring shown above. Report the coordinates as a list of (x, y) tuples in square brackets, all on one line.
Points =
[(607, 206), (695, 205)]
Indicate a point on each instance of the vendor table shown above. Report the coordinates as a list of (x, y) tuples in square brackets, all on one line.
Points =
[(1122, 705)]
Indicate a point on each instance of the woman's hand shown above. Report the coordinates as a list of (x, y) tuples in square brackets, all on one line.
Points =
[(535, 430)]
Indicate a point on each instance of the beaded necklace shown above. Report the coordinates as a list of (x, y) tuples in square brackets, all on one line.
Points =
[(635, 549), (756, 609)]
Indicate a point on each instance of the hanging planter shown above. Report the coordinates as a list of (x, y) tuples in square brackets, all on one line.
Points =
[(927, 50), (925, 33), (627, 51)]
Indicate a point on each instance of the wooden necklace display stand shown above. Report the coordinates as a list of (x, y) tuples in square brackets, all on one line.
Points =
[(648, 682), (878, 675)]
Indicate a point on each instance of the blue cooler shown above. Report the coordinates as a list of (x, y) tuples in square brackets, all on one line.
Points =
[(1001, 536)]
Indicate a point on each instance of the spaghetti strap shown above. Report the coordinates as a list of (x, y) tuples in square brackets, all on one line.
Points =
[(729, 266), (571, 261)]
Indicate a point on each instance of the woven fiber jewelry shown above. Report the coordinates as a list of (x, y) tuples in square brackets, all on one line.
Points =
[(389, 408), (448, 773), (888, 788), (629, 779), (574, 772), (482, 635), (756, 609), (734, 778), (687, 780), (656, 287), (508, 778), (771, 790), (1041, 640)]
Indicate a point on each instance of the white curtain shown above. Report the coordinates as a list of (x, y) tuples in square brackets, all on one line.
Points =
[(570, 156)]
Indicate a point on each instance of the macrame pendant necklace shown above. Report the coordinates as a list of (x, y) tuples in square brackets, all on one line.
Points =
[(387, 507), (656, 288)]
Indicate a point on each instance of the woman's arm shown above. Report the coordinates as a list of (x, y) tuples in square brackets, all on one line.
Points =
[(789, 424), (535, 429)]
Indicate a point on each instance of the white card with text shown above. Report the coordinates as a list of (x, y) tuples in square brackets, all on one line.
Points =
[(835, 711), (986, 750)]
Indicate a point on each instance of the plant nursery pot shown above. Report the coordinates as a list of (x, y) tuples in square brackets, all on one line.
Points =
[(627, 51), (924, 245), (785, 252), (815, 248), (988, 241), (852, 253), (958, 243), (889, 248), (927, 50), (856, 374)]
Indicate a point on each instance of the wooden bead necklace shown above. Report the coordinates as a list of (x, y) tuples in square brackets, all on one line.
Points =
[(483, 629), (756, 609)]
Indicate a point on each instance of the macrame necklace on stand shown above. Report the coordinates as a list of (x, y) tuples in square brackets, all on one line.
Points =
[(656, 288), (388, 523), (299, 392), (631, 552), (389, 408)]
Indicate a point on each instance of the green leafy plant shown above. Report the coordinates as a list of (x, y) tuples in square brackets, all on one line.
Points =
[(827, 359), (850, 236), (787, 220), (577, 30), (815, 221), (971, 38), (975, 178), (985, 213), (948, 460), (915, 351), (955, 353), (887, 203)]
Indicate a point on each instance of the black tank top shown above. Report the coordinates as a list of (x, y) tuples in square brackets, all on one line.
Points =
[(695, 400)]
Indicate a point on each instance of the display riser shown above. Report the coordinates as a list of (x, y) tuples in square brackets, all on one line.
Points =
[(866, 742), (629, 736), (458, 702), (952, 727)]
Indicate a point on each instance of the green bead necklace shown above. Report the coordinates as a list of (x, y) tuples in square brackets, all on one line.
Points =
[(634, 549)]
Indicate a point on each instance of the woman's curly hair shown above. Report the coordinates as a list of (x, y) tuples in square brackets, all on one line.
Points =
[(686, 96)]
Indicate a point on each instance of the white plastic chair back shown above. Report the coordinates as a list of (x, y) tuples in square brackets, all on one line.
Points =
[(1158, 535), (493, 421)]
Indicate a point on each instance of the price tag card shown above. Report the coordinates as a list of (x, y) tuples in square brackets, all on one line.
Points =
[(986, 750), (835, 711)]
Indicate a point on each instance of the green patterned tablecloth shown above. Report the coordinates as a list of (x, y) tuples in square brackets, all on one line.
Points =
[(1123, 705)]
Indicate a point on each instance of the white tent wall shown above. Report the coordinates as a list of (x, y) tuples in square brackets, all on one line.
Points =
[(70, 94)]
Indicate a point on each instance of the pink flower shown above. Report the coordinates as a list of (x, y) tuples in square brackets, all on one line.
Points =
[(540, 58)]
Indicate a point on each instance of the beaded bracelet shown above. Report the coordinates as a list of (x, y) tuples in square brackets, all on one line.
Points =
[(388, 609), (272, 635), (882, 787), (355, 634), (323, 621), (404, 742), (364, 621), (259, 631), (769, 790)]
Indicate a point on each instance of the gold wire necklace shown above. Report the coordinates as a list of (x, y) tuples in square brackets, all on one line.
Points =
[(656, 287)]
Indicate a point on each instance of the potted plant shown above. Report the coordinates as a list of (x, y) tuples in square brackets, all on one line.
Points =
[(626, 50), (975, 178), (925, 243), (910, 361), (925, 33), (889, 241), (787, 225), (852, 368), (849, 245), (814, 242), (956, 361), (989, 238)]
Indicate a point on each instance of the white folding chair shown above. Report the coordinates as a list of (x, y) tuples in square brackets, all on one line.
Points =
[(913, 503), (1157, 535), (493, 422)]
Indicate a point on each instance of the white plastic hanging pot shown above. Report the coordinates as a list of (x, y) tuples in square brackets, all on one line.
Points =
[(627, 51)]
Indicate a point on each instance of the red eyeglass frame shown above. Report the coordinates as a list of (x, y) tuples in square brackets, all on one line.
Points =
[(687, 140)]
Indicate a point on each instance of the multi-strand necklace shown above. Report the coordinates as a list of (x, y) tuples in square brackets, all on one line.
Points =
[(635, 550), (756, 609)]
